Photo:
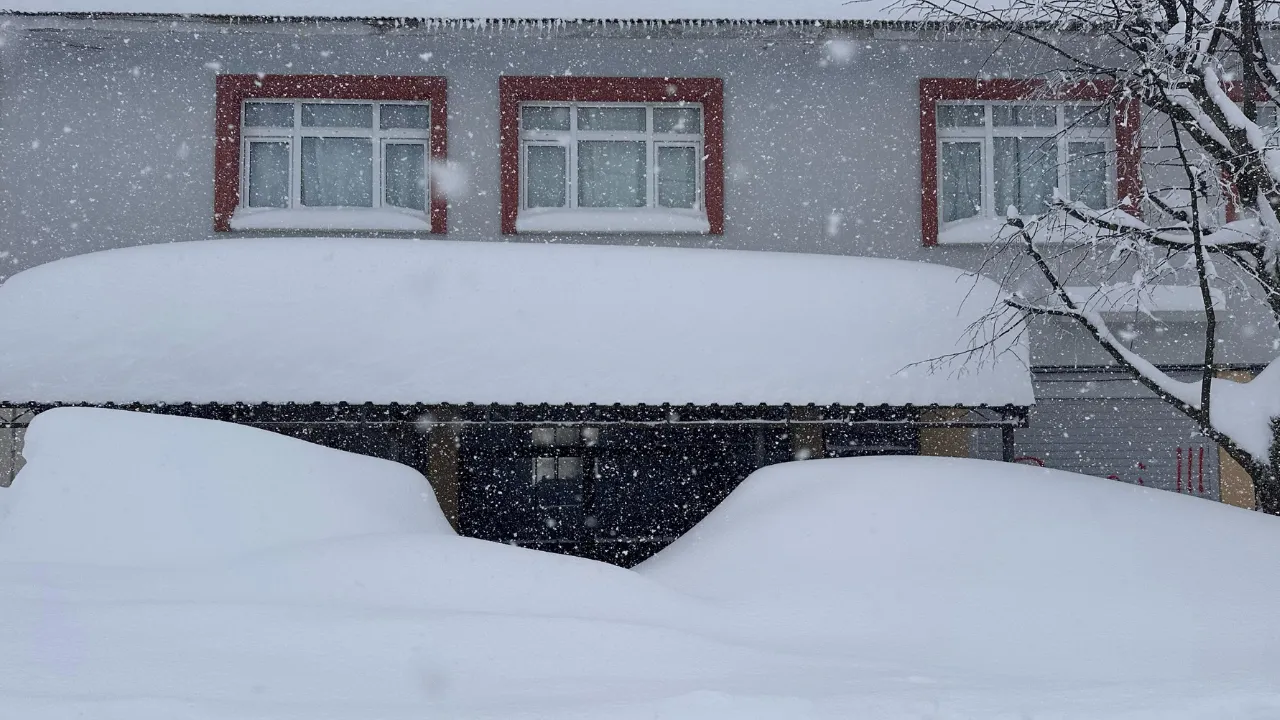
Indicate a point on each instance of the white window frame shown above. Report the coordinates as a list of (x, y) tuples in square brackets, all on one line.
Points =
[(379, 137), (986, 134), (653, 140)]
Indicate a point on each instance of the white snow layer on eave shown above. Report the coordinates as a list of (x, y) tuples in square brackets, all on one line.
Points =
[(1153, 299), (567, 10), (387, 320)]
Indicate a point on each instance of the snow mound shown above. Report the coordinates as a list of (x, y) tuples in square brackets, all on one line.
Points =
[(887, 588), (988, 565), (109, 487), (1245, 411), (387, 320)]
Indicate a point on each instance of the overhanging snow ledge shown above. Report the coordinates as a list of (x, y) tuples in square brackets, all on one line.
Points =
[(384, 321)]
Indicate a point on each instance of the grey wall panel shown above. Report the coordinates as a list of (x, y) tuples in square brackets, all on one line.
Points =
[(986, 444), (1140, 441)]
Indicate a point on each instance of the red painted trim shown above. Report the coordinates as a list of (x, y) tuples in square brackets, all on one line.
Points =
[(1128, 122), (1235, 91), (1232, 210), (233, 90), (935, 90), (513, 90)]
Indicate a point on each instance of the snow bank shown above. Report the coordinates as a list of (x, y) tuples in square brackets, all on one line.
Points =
[(999, 567), (114, 488), (886, 588), (384, 320)]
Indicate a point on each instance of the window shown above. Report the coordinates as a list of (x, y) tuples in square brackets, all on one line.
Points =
[(993, 156), (558, 472), (300, 154), (326, 152), (611, 155), (1269, 121), (988, 146)]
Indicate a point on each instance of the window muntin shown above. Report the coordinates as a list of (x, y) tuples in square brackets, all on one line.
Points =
[(993, 155), (339, 154), (611, 155)]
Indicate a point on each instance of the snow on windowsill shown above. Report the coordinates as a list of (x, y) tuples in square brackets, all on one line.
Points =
[(984, 230), (333, 218), (641, 220), (973, 231)]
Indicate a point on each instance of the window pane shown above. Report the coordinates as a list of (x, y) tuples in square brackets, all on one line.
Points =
[(534, 117), (677, 177), (406, 176), (416, 117), (269, 174), (1024, 115), (337, 171), (1270, 123), (961, 180), (1087, 173), (630, 119), (961, 115), (612, 174), (545, 176), (1026, 173), (337, 115), (569, 468), (262, 114), (1095, 116), (677, 120), (1267, 116), (544, 468)]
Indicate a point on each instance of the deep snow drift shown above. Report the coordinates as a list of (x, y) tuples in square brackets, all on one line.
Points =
[(369, 320), (104, 487), (886, 588), (993, 565)]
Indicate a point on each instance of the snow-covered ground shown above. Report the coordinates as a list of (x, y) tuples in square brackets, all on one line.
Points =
[(173, 568)]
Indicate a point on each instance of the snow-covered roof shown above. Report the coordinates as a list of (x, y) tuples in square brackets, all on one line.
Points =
[(391, 320), (764, 10)]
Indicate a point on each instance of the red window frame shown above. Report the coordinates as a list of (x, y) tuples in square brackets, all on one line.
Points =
[(1235, 91), (935, 90), (513, 90), (233, 90)]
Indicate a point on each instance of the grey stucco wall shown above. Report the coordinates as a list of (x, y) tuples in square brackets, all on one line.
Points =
[(106, 134)]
